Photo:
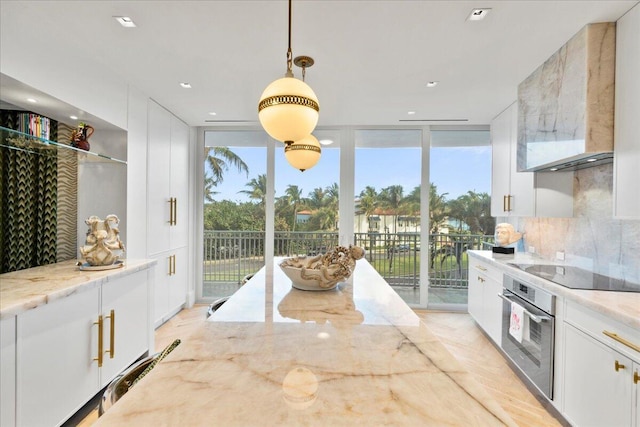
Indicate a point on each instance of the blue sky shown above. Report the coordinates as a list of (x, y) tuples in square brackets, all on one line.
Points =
[(454, 170)]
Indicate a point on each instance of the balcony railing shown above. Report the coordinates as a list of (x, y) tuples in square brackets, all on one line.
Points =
[(232, 256)]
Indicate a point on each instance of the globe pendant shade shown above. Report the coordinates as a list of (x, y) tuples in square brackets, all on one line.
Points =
[(288, 109), (303, 154)]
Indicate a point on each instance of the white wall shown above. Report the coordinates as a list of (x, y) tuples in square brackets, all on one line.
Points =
[(69, 76)]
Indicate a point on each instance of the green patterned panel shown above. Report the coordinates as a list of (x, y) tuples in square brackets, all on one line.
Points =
[(28, 190)]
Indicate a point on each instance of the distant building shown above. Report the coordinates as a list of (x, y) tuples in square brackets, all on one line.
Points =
[(384, 221), (303, 217)]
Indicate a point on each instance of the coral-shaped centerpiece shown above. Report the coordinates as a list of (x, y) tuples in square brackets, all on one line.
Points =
[(322, 272), (103, 246)]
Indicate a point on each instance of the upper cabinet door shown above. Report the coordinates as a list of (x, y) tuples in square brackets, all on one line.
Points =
[(626, 163), (500, 162), (511, 191), (179, 182), (159, 180)]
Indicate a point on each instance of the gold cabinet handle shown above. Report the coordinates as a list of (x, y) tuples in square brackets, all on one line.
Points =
[(480, 279), (619, 366), (636, 377), (172, 265), (112, 334), (509, 196), (175, 211), (100, 331), (621, 340), (481, 268), (504, 203), (172, 210)]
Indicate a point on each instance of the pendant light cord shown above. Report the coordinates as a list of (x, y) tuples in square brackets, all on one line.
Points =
[(289, 72)]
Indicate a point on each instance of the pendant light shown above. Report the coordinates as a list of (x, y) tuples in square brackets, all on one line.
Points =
[(303, 154), (288, 109)]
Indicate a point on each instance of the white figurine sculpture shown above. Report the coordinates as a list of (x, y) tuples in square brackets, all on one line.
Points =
[(103, 245)]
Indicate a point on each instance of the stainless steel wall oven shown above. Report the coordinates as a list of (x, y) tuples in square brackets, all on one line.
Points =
[(528, 329)]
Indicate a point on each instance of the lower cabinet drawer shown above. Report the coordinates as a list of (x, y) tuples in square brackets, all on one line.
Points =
[(610, 332)]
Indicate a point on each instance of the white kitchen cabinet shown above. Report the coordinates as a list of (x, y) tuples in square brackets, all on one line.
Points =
[(126, 300), (484, 305), (626, 160), (58, 347), (636, 382), (8, 372), (598, 371), (513, 193), (168, 207), (596, 392), (171, 284)]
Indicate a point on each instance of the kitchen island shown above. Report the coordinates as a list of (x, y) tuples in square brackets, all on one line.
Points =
[(274, 355)]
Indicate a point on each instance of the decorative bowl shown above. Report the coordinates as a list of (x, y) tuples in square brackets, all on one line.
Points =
[(306, 284)]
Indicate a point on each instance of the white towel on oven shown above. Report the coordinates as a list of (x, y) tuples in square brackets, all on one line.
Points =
[(517, 322)]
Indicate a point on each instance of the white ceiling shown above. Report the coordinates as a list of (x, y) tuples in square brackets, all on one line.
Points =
[(373, 58)]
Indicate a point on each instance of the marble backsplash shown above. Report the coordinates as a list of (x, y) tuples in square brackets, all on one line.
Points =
[(592, 239)]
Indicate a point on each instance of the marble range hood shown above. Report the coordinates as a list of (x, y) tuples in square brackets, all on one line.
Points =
[(566, 106)]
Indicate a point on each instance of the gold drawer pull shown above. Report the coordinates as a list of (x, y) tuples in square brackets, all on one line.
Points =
[(636, 377), (481, 268), (480, 279), (171, 211), (619, 366), (112, 334), (100, 330), (621, 340), (175, 211)]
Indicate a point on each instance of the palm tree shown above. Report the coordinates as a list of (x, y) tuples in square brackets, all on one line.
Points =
[(391, 198), (316, 198), (475, 210), (368, 202), (293, 195), (412, 203), (208, 187), (257, 189), (220, 159), (437, 208)]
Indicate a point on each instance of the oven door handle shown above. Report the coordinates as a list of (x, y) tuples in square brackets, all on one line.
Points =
[(532, 316)]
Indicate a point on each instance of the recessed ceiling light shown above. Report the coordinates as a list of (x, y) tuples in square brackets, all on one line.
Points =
[(32, 100), (411, 113), (326, 141), (592, 160), (73, 117), (478, 14), (432, 84), (125, 21), (553, 169), (185, 85), (213, 113)]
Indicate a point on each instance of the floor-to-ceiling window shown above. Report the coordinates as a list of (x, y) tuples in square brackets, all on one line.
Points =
[(306, 202), (415, 199), (388, 175), (459, 210), (233, 214)]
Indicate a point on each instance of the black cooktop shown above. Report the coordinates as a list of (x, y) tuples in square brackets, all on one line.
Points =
[(578, 278)]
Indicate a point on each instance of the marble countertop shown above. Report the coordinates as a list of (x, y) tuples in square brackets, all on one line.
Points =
[(623, 307), (274, 355), (27, 289)]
